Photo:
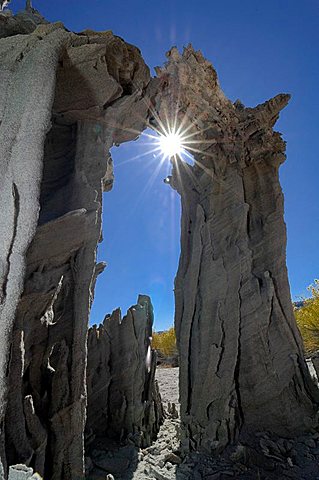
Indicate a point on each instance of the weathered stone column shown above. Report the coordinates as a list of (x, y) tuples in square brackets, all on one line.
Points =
[(123, 396), (66, 99), (242, 367)]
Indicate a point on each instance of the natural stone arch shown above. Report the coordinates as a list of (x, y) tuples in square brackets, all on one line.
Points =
[(228, 281)]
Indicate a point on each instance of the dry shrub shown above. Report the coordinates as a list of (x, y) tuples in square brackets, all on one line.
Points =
[(165, 342), (307, 318)]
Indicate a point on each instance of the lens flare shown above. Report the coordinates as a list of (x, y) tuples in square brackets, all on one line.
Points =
[(171, 144)]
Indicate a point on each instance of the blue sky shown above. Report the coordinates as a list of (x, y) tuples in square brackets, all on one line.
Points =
[(259, 49)]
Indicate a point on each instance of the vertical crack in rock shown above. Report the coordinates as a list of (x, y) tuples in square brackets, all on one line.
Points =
[(242, 369), (16, 207), (239, 411), (222, 343)]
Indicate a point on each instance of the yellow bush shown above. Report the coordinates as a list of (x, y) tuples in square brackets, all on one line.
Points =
[(165, 342), (308, 319)]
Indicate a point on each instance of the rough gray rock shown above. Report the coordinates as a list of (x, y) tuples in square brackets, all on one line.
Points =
[(65, 100), (123, 397), (24, 22), (21, 472), (242, 367)]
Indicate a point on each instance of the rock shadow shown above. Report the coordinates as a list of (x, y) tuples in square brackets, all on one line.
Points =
[(111, 459)]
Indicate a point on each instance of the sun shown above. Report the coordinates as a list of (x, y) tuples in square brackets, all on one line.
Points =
[(171, 144)]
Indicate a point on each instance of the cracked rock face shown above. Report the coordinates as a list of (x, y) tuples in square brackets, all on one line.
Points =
[(242, 367), (123, 397), (65, 100)]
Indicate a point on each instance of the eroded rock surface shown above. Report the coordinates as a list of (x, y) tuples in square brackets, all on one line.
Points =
[(242, 367), (123, 397), (65, 100)]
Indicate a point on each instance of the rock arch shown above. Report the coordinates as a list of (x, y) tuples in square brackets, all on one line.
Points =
[(66, 100)]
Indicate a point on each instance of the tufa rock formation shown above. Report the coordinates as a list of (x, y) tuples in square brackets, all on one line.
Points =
[(65, 100), (242, 367), (123, 397), (22, 23)]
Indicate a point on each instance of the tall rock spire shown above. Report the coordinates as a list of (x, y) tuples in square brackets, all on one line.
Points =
[(242, 367)]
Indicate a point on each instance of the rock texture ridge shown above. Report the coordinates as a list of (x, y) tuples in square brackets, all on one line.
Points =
[(242, 367), (65, 100), (123, 397)]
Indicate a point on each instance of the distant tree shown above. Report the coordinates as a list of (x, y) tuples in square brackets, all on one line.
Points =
[(165, 342), (307, 318)]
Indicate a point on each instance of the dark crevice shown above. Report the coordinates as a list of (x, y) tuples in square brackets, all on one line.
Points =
[(9, 360), (269, 323), (239, 410), (222, 342), (16, 199), (58, 173), (189, 365)]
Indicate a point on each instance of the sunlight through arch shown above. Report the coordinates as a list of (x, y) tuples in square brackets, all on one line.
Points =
[(141, 232)]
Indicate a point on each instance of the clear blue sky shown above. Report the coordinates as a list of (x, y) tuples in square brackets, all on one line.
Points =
[(259, 49)]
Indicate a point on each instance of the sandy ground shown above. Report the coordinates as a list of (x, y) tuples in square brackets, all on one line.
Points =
[(160, 460), (168, 384)]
